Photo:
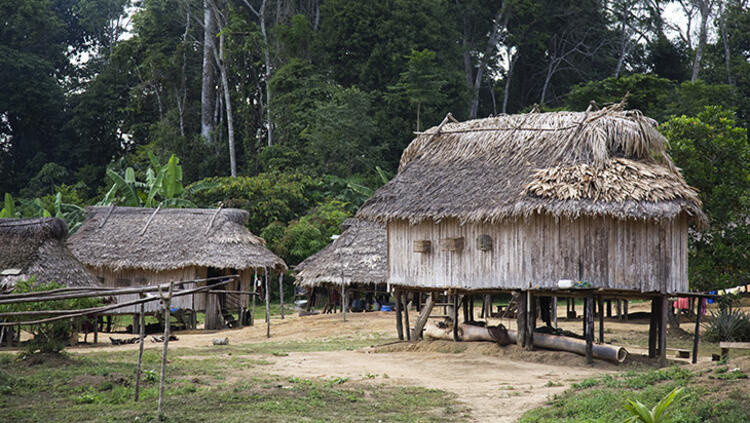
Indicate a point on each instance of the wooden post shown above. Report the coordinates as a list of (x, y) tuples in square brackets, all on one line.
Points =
[(399, 324), (589, 320), (664, 309), (652, 329), (135, 325), (405, 298), (601, 320), (455, 317), (141, 338), (423, 316), (167, 302), (530, 320), (697, 335), (268, 306), (554, 312), (471, 308), (281, 293), (521, 319), (465, 306), (625, 310), (96, 329), (618, 308), (609, 308)]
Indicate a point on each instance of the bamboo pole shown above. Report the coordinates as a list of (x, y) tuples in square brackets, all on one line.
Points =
[(103, 293), (167, 302), (140, 352), (76, 313)]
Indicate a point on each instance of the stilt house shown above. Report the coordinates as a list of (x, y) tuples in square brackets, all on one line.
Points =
[(529, 202), (125, 246)]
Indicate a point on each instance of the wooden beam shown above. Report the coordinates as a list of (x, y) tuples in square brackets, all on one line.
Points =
[(399, 324), (141, 337), (268, 305), (625, 309), (281, 293), (589, 320), (554, 312), (423, 316)]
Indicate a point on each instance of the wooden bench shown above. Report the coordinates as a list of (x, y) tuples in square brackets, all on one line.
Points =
[(726, 346)]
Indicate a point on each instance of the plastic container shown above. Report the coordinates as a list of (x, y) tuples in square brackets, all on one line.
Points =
[(386, 308), (565, 283)]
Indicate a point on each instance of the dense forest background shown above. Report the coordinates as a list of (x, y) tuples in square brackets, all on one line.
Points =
[(296, 110)]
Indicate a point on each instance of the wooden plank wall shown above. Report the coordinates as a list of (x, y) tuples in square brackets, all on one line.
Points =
[(541, 250)]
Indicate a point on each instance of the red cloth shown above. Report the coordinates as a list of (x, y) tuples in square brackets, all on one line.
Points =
[(682, 303)]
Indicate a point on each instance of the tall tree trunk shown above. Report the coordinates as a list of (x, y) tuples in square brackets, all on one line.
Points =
[(208, 83), (261, 15), (705, 11), (228, 105), (501, 20), (725, 42), (512, 58)]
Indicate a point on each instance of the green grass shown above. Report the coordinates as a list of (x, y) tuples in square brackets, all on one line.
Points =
[(98, 387), (602, 399)]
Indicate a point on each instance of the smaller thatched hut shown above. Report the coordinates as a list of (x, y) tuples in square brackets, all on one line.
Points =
[(36, 248), (127, 246), (357, 257)]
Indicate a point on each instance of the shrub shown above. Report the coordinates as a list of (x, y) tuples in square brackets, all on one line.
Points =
[(53, 336), (728, 325)]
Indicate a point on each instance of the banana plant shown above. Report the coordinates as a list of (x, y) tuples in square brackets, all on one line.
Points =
[(640, 413), (72, 214), (9, 207), (163, 185)]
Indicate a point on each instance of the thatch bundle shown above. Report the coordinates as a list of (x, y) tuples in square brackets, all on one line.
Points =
[(140, 238), (361, 250), (608, 162), (36, 247)]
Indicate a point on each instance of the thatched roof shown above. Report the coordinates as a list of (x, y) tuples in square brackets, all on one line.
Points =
[(361, 249), (138, 238), (36, 247), (608, 162)]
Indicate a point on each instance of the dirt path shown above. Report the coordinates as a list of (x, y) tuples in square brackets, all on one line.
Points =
[(495, 390)]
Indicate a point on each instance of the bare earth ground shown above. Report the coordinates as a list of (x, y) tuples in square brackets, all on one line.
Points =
[(496, 383)]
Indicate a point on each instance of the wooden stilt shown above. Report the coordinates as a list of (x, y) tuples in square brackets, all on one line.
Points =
[(697, 335), (601, 320), (405, 298), (521, 319), (399, 324), (625, 310), (618, 305), (281, 293), (530, 320), (664, 309), (96, 329), (471, 308), (554, 312), (652, 329), (455, 317), (465, 308), (141, 338), (609, 308), (589, 319)]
